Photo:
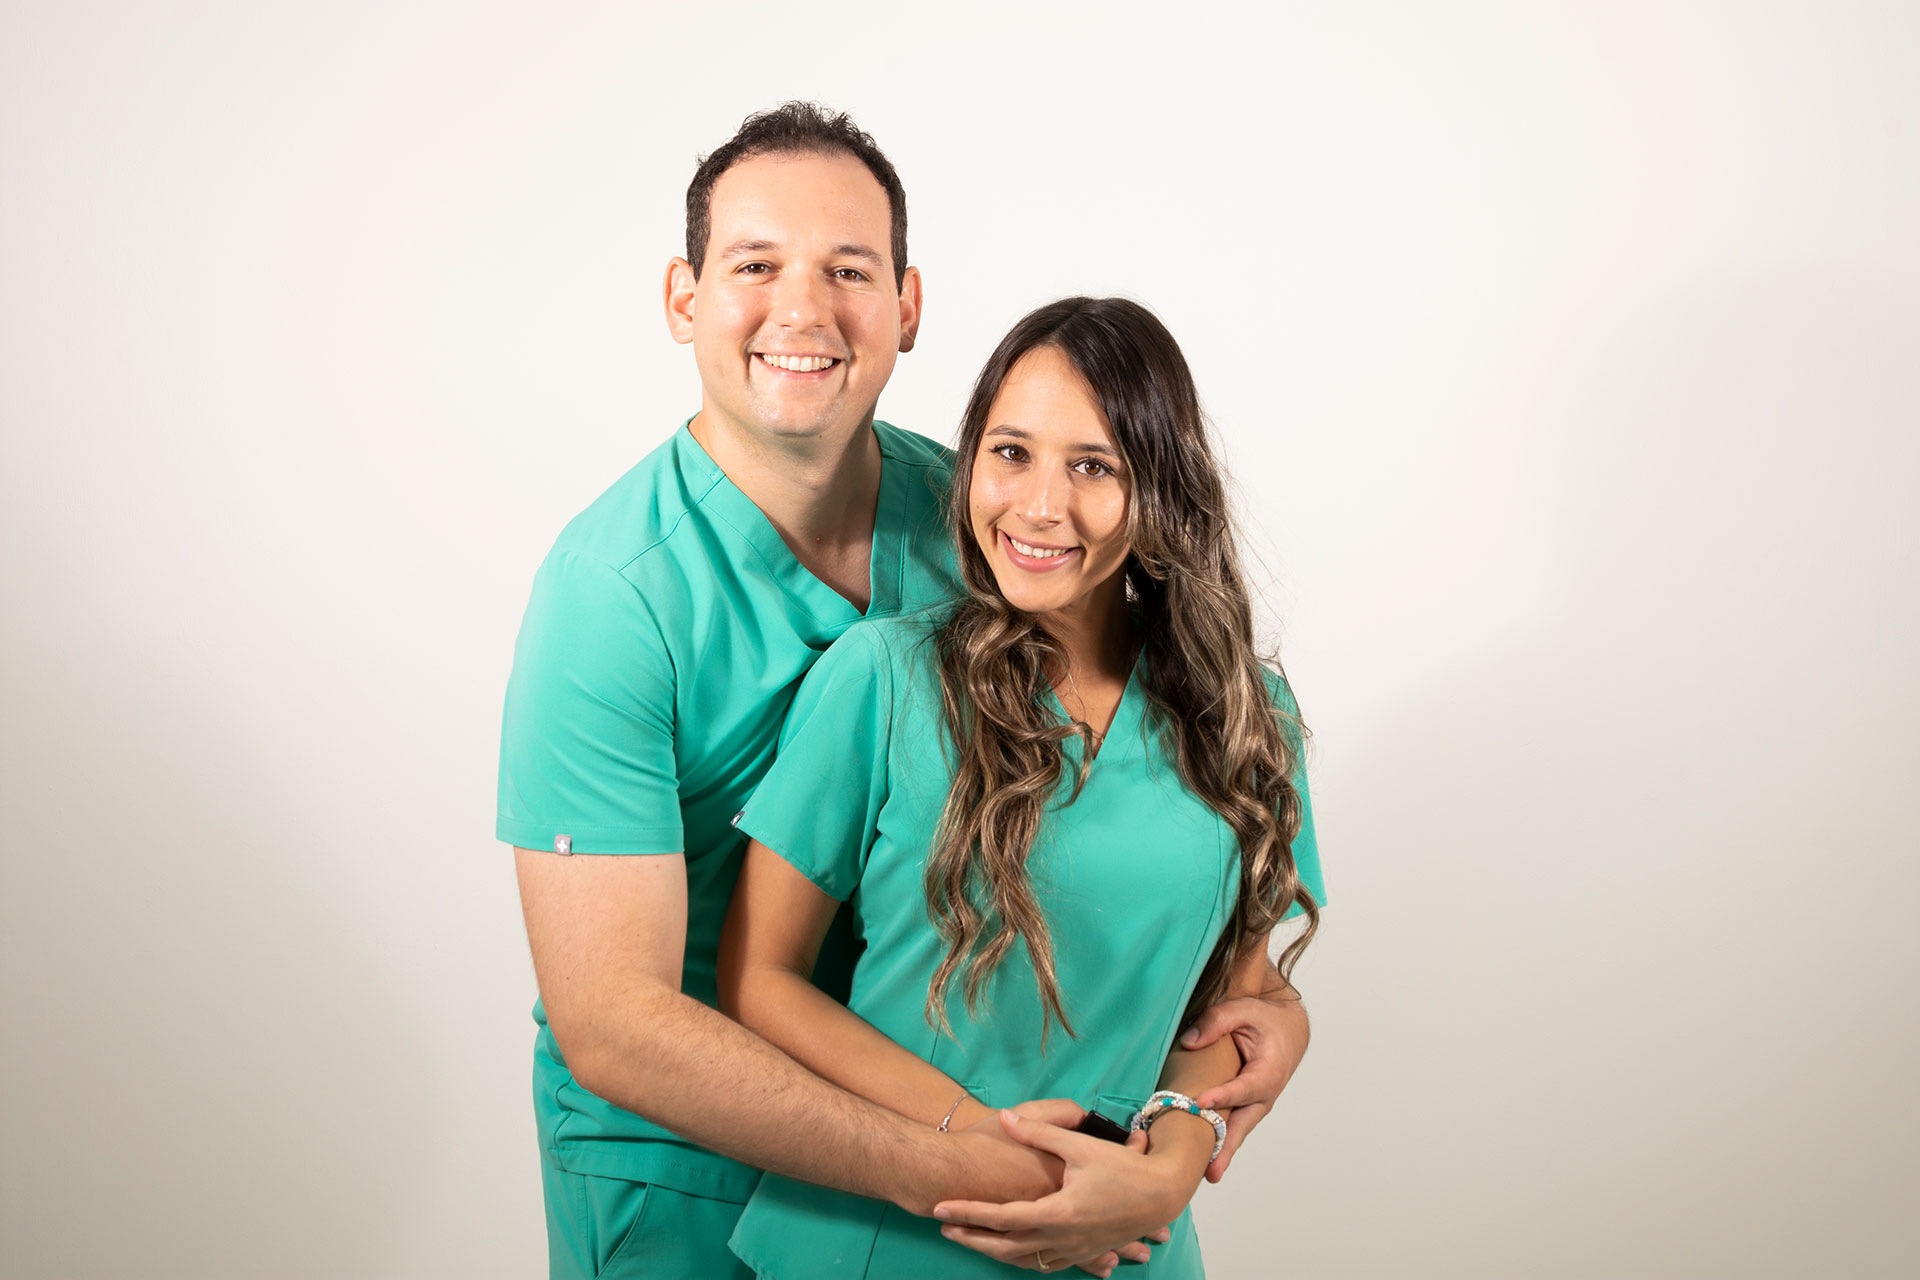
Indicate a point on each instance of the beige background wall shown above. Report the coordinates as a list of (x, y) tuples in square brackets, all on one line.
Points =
[(1568, 360)]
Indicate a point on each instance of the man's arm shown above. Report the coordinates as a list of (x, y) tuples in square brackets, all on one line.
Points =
[(608, 934), (1271, 1032)]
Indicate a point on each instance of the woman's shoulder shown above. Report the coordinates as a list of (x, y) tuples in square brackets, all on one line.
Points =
[(901, 641), (1286, 707), (898, 658), (1279, 692)]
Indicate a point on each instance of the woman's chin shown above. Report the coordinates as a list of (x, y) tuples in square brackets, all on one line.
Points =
[(1022, 596)]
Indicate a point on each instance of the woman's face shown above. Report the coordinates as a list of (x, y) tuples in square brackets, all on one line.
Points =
[(1049, 495)]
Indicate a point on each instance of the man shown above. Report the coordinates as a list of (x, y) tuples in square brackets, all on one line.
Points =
[(666, 634)]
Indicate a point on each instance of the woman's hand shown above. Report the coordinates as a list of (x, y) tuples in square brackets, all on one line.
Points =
[(1010, 1170), (1110, 1197)]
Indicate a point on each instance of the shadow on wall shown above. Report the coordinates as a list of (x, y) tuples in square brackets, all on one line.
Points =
[(191, 1018), (1619, 971)]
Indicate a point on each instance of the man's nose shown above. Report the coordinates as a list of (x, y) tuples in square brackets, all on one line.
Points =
[(800, 300)]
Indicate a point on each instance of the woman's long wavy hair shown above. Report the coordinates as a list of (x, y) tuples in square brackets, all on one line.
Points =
[(1206, 686)]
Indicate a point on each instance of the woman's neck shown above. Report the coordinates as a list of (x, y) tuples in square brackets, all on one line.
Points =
[(1096, 634)]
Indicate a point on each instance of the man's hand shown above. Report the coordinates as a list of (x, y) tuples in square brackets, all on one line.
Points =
[(1013, 1169), (1110, 1197), (1271, 1033)]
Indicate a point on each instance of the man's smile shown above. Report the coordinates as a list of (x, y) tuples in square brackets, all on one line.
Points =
[(795, 364)]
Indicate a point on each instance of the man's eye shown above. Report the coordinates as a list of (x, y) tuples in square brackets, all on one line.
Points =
[(754, 268), (850, 275)]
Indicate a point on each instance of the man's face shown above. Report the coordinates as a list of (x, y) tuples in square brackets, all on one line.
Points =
[(795, 320)]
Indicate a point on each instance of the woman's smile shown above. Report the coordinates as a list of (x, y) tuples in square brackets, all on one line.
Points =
[(1034, 557)]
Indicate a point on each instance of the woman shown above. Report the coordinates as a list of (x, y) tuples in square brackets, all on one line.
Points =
[(1068, 811)]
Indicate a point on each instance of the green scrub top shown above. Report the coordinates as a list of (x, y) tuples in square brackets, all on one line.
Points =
[(667, 632), (1136, 876)]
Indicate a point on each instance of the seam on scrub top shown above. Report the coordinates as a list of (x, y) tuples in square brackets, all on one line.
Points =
[(1219, 904), (672, 529)]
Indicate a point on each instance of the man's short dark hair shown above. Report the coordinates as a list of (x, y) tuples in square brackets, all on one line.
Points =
[(794, 128)]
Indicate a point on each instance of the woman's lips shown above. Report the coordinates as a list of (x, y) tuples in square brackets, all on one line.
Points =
[(1032, 563)]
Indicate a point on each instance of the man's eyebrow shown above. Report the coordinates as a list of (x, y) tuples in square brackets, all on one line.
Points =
[(1097, 446), (741, 248), (744, 248)]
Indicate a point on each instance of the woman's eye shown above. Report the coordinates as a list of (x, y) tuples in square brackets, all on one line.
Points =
[(1094, 467), (1011, 452)]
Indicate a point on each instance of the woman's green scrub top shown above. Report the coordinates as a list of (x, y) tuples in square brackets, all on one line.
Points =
[(1136, 876)]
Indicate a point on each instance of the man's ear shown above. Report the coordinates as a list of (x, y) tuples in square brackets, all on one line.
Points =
[(909, 308), (678, 294)]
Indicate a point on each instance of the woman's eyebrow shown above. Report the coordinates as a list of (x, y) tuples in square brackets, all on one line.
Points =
[(1018, 433)]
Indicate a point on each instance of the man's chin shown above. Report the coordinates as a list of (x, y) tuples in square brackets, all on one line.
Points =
[(788, 423)]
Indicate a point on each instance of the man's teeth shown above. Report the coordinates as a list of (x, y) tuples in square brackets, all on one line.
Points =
[(1036, 553), (800, 364)]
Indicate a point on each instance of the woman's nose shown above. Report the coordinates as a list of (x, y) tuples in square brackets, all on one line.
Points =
[(1044, 499)]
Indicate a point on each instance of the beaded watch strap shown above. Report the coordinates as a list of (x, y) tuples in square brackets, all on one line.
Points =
[(1167, 1100)]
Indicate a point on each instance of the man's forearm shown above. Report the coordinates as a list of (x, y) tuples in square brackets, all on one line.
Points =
[(686, 1066)]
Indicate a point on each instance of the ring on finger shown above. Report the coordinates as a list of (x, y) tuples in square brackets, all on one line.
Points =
[(1039, 1261)]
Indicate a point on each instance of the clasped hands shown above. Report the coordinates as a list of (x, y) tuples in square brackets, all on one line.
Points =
[(1110, 1199), (1103, 1200)]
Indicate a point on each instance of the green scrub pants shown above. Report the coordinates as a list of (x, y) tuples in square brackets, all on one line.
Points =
[(610, 1229)]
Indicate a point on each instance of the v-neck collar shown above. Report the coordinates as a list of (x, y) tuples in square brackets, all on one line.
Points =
[(886, 559), (1125, 725)]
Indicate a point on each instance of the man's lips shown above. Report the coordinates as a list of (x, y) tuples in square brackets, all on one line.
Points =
[(800, 366), (1037, 557)]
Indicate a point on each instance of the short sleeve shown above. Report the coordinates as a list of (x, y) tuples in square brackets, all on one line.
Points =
[(1306, 846), (819, 804), (586, 742)]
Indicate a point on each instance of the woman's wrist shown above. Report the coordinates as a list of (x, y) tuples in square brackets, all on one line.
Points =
[(968, 1114), (1184, 1142)]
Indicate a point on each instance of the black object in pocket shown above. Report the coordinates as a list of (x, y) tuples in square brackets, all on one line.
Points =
[(1095, 1125)]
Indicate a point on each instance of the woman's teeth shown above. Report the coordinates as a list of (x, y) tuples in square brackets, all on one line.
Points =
[(799, 364), (1036, 553)]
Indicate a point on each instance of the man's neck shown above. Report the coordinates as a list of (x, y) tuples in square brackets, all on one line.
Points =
[(820, 493)]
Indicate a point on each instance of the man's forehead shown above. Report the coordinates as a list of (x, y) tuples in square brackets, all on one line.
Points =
[(803, 190)]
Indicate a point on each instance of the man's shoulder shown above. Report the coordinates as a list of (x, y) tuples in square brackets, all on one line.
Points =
[(635, 519), (911, 448)]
